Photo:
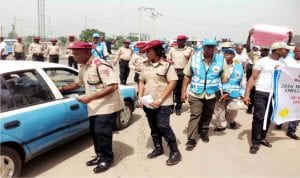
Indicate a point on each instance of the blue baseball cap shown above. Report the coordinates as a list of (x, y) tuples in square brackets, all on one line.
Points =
[(96, 35), (209, 42), (229, 50)]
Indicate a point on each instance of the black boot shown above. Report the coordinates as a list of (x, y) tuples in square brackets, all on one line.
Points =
[(93, 162), (175, 156), (158, 150), (204, 136), (103, 165)]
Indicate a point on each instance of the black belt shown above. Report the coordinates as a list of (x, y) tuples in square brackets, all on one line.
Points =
[(124, 60), (179, 70)]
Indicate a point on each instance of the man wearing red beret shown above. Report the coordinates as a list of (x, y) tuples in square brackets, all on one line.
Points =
[(19, 49), (180, 54), (53, 51), (71, 61), (124, 55), (103, 100), (36, 49), (137, 60)]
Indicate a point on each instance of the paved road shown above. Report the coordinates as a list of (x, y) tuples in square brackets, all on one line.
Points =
[(226, 155)]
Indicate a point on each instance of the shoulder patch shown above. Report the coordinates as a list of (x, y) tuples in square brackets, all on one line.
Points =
[(89, 62)]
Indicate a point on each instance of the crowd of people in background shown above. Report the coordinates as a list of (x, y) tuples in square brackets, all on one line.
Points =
[(214, 78)]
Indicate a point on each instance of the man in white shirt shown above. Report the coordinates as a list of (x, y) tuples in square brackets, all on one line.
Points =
[(3, 51), (262, 77), (240, 57)]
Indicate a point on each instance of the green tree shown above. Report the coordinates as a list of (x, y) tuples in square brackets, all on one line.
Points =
[(62, 40), (119, 41), (133, 38), (87, 35), (28, 40), (12, 35)]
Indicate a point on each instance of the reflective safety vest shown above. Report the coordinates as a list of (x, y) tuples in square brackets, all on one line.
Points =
[(206, 80), (98, 50), (233, 86)]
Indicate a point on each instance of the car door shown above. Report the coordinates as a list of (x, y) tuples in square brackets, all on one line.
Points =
[(77, 111), (33, 114)]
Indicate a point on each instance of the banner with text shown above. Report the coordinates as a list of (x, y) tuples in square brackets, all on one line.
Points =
[(286, 95)]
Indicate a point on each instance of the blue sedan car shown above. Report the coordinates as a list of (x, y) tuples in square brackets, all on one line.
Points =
[(36, 117)]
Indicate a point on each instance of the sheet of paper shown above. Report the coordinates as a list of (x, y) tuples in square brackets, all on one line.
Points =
[(266, 35), (147, 100)]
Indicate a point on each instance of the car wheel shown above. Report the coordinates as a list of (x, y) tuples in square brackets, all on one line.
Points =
[(10, 162), (125, 116)]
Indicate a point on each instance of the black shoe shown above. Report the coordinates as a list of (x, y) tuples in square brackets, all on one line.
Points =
[(156, 152), (103, 166), (266, 143), (174, 158), (191, 143), (178, 112), (278, 127), (292, 136), (254, 148), (204, 137), (93, 162), (217, 129), (233, 125)]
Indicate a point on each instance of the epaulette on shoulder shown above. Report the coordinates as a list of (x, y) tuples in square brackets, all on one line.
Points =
[(99, 62), (169, 61)]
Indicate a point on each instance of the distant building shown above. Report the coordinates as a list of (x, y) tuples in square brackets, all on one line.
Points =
[(296, 39)]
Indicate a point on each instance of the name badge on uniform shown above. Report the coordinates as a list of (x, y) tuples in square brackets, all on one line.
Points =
[(93, 87)]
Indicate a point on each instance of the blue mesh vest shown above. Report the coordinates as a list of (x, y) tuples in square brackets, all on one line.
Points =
[(202, 80), (233, 85), (99, 50)]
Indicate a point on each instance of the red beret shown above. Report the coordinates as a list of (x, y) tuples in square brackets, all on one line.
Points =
[(153, 44), (19, 38), (36, 38), (81, 45), (53, 40), (182, 37), (71, 37), (174, 44), (140, 45)]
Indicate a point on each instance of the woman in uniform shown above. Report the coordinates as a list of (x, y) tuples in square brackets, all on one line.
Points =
[(158, 79)]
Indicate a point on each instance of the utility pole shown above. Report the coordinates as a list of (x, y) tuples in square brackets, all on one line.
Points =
[(85, 22), (41, 19), (49, 27), (142, 9), (121, 17), (154, 15)]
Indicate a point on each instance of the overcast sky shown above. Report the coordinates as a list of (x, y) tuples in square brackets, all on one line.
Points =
[(195, 18)]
